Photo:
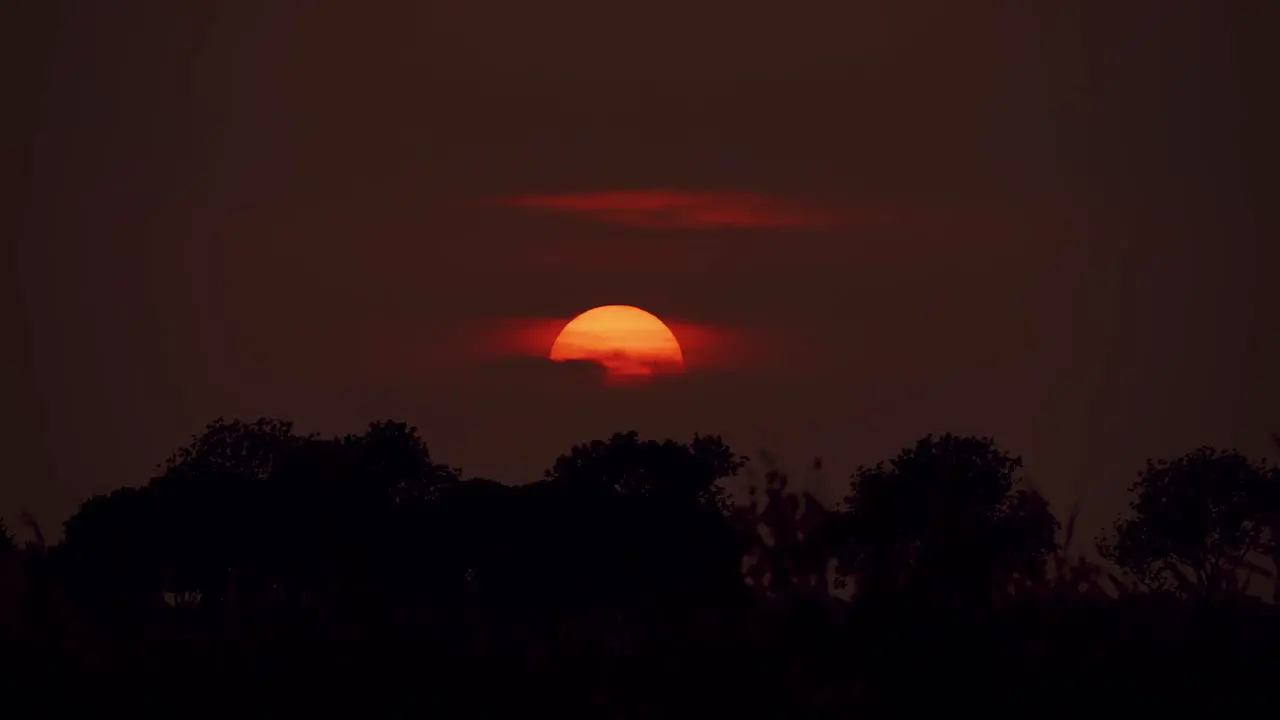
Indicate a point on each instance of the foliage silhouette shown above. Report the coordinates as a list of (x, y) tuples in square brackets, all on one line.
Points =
[(669, 472), (946, 520), (623, 517), (1197, 522), (791, 540), (258, 504), (627, 582)]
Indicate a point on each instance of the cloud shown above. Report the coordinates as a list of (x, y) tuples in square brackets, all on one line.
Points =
[(707, 348), (681, 209)]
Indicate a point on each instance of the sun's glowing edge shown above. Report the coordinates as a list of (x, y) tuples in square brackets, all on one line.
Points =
[(626, 340)]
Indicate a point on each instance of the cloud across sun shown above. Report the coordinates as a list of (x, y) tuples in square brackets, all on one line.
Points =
[(624, 345), (681, 209), (628, 342)]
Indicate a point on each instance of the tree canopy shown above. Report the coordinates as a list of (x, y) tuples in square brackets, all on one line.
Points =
[(256, 545), (1198, 521), (948, 518)]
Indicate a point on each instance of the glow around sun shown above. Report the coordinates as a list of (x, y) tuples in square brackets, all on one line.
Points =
[(627, 341)]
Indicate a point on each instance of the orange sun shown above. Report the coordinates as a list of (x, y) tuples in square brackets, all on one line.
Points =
[(629, 342)]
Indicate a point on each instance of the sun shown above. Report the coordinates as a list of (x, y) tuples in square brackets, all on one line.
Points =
[(627, 341)]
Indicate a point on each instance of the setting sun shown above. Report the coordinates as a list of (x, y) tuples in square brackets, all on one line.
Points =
[(627, 341)]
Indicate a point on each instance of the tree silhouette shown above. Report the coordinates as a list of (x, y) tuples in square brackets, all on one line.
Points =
[(192, 527), (257, 505), (945, 521), (1196, 522), (667, 471), (627, 517), (625, 576), (6, 539)]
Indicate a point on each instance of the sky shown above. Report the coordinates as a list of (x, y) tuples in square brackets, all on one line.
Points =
[(1044, 222)]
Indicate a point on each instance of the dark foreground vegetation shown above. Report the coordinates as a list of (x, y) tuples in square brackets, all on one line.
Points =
[(267, 572)]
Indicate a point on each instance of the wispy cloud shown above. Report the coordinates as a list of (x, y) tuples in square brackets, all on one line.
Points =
[(681, 209), (706, 347)]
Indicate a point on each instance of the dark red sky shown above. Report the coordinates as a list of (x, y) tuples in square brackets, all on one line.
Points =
[(287, 209)]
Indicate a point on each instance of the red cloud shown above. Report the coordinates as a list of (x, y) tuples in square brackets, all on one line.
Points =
[(706, 347), (681, 209)]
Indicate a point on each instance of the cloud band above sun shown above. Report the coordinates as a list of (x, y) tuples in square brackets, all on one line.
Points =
[(681, 209)]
